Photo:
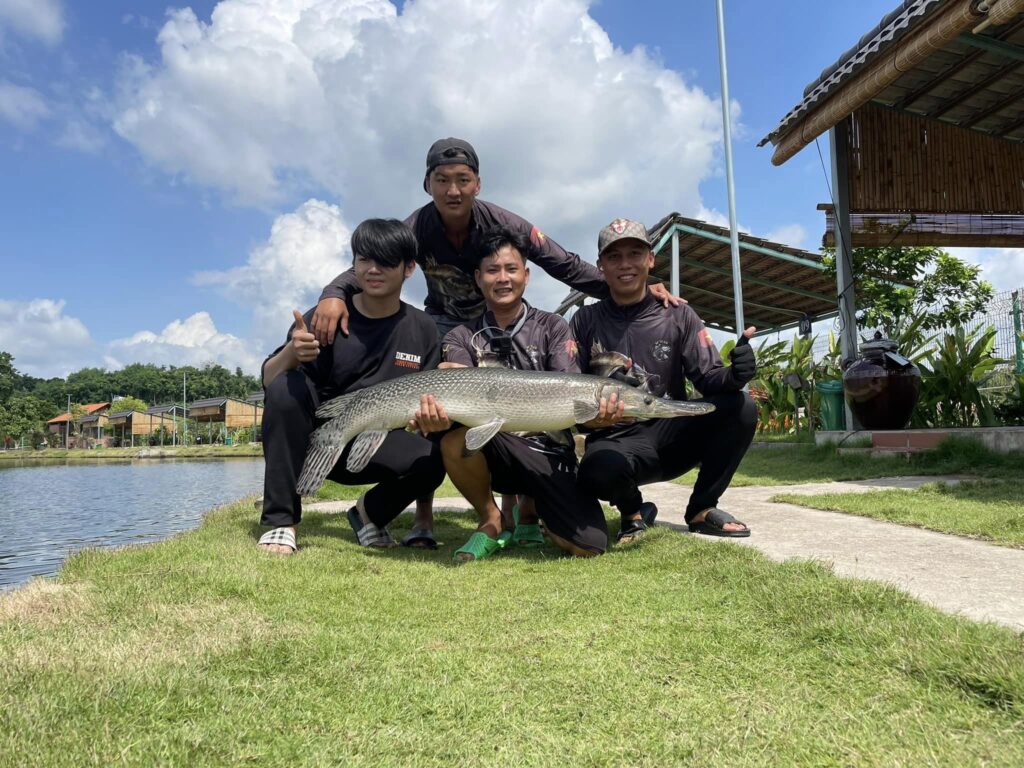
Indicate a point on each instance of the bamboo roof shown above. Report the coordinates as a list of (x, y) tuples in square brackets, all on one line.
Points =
[(781, 283), (929, 58)]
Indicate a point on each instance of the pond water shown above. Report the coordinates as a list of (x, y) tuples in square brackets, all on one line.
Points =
[(49, 509)]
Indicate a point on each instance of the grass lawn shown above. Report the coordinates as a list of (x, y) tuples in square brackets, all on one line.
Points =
[(991, 510), (203, 650), (818, 464)]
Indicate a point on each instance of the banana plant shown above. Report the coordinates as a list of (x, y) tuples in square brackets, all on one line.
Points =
[(953, 375)]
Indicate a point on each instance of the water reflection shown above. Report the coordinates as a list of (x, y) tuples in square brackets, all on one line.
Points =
[(51, 508)]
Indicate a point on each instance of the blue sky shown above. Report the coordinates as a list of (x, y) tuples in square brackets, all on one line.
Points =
[(168, 199)]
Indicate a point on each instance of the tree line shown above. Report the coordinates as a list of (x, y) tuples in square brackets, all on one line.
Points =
[(27, 402)]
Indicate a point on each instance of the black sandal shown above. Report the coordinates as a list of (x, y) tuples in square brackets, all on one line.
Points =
[(630, 529), (714, 524)]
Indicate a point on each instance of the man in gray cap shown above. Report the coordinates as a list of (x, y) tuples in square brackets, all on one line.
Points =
[(449, 232), (658, 348)]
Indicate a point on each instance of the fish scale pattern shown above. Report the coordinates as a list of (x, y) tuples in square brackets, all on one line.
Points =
[(525, 401)]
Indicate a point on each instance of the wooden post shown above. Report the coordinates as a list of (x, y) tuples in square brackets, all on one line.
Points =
[(839, 144)]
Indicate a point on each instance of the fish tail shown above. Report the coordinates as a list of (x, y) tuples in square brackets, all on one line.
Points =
[(320, 460)]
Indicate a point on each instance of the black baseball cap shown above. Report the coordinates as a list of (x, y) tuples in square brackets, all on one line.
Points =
[(451, 151)]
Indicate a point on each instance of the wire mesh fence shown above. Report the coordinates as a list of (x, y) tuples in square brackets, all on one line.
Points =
[(1003, 313)]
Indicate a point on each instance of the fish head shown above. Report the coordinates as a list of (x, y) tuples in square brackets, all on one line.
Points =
[(640, 404)]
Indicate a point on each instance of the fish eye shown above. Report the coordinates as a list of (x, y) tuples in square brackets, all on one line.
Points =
[(648, 400)]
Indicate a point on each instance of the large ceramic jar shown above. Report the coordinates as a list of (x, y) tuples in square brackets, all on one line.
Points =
[(882, 386)]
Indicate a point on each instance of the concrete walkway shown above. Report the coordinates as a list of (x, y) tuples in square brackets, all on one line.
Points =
[(955, 574)]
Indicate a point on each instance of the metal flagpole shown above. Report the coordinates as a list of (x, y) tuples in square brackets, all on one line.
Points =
[(184, 411), (734, 236)]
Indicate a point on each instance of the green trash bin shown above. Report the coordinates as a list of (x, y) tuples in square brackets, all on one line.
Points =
[(229, 441), (833, 410)]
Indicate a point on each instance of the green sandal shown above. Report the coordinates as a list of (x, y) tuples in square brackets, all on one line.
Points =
[(480, 546), (528, 536)]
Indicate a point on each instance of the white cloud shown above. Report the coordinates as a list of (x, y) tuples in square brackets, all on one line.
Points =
[(44, 341), (305, 250), (1003, 267), (81, 135), (41, 19), (22, 107), (788, 234), (268, 98), (193, 341)]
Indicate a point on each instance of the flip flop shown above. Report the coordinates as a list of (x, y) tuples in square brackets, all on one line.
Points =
[(368, 534), (714, 525), (479, 546), (630, 529), (528, 535), (280, 536), (420, 538)]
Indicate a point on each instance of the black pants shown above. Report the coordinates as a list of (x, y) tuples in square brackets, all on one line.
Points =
[(405, 467), (547, 473), (616, 464)]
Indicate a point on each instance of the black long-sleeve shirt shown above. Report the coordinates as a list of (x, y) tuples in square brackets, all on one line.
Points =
[(666, 345), (451, 289)]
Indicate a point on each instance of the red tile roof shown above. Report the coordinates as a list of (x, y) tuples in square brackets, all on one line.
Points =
[(89, 409)]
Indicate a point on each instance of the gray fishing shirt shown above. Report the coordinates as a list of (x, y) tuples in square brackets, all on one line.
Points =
[(666, 345)]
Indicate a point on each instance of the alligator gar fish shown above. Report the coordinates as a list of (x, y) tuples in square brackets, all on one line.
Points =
[(488, 400)]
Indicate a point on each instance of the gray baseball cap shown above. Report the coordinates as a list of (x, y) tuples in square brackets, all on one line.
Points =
[(622, 229)]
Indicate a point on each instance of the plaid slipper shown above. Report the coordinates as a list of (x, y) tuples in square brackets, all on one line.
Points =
[(282, 536), (368, 534)]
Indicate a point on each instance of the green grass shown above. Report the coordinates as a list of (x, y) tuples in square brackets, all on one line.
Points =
[(203, 650), (819, 464), (190, 451), (990, 510), (331, 491)]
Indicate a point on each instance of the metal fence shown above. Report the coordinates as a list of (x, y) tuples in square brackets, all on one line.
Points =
[(1003, 312)]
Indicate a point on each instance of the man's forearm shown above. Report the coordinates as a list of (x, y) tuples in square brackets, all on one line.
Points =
[(285, 360), (341, 286)]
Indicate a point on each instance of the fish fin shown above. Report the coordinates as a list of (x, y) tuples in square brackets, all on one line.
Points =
[(478, 437), (560, 436), (584, 410), (363, 449), (334, 406), (321, 457)]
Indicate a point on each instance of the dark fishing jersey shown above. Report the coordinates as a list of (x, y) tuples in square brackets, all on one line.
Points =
[(375, 350), (541, 341), (666, 345), (451, 289)]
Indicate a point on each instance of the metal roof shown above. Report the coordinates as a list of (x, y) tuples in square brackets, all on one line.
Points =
[(975, 81), (121, 414), (159, 409), (209, 402), (780, 283), (255, 398)]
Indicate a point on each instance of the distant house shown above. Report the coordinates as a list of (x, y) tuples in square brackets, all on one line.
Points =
[(127, 424), (230, 412), (89, 425)]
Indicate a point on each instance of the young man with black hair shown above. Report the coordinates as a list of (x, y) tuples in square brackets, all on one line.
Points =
[(387, 338), (661, 347), (512, 333), (449, 231)]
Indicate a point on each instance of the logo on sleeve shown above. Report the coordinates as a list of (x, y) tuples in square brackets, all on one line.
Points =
[(661, 349), (571, 349), (406, 360), (536, 237)]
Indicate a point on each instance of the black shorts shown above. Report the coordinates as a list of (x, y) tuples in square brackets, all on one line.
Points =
[(547, 473)]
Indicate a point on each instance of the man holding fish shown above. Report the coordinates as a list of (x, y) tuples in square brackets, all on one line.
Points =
[(542, 466), (387, 339), (659, 348)]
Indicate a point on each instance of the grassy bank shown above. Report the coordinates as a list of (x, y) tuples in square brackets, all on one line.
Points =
[(990, 510), (202, 650), (819, 464), (185, 452)]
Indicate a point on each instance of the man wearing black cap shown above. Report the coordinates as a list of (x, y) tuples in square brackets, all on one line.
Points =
[(658, 348), (449, 232)]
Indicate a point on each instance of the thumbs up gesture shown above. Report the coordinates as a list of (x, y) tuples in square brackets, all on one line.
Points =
[(744, 366), (304, 345)]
